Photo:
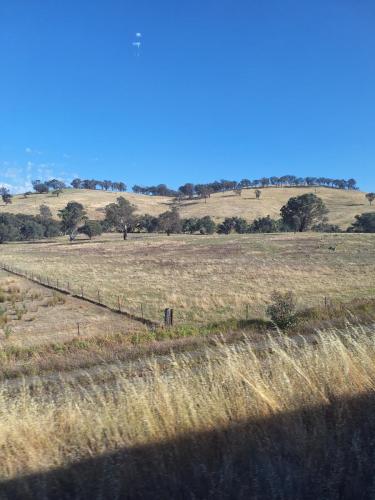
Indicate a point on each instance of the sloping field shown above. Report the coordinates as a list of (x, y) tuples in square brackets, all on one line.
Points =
[(205, 278), (343, 205), (93, 201)]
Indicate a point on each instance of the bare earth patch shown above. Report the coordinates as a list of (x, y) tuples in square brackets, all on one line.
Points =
[(31, 315)]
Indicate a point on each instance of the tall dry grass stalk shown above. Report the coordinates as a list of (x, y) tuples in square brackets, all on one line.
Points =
[(272, 414)]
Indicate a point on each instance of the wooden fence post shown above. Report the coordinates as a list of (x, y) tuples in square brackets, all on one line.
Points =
[(168, 317), (118, 303)]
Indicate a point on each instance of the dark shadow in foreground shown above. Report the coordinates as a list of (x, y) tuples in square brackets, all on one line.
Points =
[(319, 453)]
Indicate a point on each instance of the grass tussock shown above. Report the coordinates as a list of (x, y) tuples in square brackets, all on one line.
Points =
[(294, 421)]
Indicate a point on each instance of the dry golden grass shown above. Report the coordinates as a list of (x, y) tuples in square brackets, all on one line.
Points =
[(343, 205), (205, 278), (32, 315), (242, 425), (93, 201)]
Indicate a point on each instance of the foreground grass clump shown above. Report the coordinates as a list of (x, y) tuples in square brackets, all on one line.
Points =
[(86, 353), (294, 420)]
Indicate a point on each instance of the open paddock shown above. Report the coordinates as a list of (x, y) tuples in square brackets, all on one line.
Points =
[(204, 278)]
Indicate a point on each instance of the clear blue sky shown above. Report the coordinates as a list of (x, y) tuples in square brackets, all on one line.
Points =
[(218, 89)]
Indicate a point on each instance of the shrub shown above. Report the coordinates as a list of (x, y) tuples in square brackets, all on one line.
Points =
[(91, 228), (282, 310), (325, 227), (364, 223)]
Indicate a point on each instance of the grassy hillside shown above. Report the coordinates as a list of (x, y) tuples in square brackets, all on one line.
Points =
[(343, 205)]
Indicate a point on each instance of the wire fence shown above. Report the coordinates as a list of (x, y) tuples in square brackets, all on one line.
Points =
[(97, 298)]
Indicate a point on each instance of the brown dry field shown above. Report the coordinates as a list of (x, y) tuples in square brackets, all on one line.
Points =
[(205, 278), (36, 315), (343, 205)]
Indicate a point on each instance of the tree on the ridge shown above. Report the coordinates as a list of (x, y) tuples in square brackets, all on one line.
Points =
[(370, 197)]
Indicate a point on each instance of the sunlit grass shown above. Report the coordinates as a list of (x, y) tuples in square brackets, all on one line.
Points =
[(205, 278), (235, 384)]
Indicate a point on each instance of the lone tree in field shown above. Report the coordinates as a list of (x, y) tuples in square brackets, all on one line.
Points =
[(71, 217), (187, 190), (120, 215), (258, 193), (370, 197), (303, 212), (170, 222)]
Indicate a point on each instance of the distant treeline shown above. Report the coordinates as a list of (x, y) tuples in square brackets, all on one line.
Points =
[(188, 190), (204, 190), (95, 184), (302, 213), (56, 186)]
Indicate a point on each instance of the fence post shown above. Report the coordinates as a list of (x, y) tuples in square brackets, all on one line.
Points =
[(81, 291), (142, 310), (168, 317), (98, 295), (118, 303), (78, 329)]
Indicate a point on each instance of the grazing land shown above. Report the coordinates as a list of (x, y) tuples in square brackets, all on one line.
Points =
[(205, 278), (343, 205)]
